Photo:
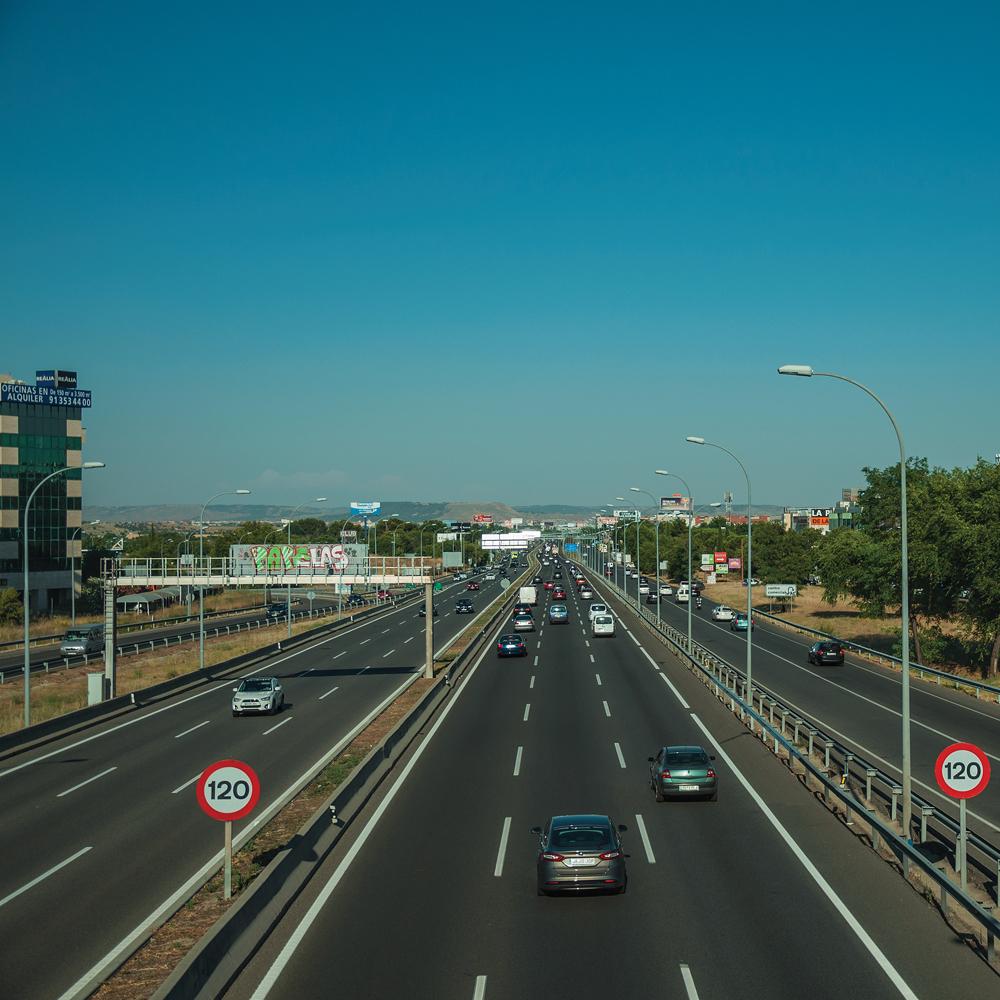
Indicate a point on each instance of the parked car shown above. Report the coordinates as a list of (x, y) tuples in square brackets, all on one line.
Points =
[(827, 651), (259, 695), (722, 613), (523, 623), (558, 613), (511, 645), (682, 772), (738, 623), (464, 607), (602, 624), (580, 853)]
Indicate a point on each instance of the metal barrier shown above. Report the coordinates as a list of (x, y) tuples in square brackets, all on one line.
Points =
[(793, 729)]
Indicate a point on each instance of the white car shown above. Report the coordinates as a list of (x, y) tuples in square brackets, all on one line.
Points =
[(602, 624), (490, 576), (643, 587), (597, 609), (586, 593), (666, 590), (722, 613), (259, 695)]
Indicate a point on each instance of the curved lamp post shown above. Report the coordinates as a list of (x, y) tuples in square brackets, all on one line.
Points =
[(27, 593), (72, 570), (635, 489), (904, 584)]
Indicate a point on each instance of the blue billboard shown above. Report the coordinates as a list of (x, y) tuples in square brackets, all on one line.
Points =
[(37, 395), (366, 508)]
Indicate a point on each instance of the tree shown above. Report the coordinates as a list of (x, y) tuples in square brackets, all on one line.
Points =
[(11, 609)]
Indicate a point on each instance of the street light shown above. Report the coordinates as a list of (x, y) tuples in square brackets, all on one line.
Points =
[(635, 489), (27, 592), (72, 571), (201, 566), (288, 606), (748, 569), (637, 567), (904, 583)]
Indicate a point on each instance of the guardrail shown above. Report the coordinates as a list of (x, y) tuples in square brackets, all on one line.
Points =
[(957, 679), (867, 785)]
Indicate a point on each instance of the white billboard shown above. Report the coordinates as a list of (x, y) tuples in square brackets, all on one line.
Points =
[(510, 540), (447, 536), (781, 590)]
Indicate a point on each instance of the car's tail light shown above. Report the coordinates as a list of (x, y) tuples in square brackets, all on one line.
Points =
[(664, 774), (548, 856), (610, 855), (711, 773)]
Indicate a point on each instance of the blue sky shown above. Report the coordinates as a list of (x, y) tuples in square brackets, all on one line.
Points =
[(361, 250)]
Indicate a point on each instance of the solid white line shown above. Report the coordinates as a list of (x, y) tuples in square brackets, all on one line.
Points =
[(677, 693), (598, 676), (192, 729), (87, 782), (391, 651), (689, 986), (517, 761), (278, 726), (607, 711), (645, 839), (527, 709), (412, 637), (873, 949), (635, 640), (532, 682), (44, 875), (592, 660), (480, 991), (621, 758), (322, 696), (504, 834), (187, 784)]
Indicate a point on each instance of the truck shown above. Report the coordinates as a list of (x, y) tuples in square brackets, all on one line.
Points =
[(528, 595)]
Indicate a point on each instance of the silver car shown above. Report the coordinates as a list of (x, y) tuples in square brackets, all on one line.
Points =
[(523, 623), (581, 853), (260, 695)]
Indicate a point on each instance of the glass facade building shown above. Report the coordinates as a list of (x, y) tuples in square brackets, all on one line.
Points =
[(36, 439)]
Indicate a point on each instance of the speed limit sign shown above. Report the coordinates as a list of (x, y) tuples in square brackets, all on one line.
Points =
[(962, 770), (228, 789)]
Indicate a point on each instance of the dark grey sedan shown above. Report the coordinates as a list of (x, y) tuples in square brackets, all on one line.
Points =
[(580, 853), (682, 772)]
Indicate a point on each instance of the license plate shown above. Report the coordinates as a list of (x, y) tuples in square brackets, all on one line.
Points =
[(689, 788), (581, 862)]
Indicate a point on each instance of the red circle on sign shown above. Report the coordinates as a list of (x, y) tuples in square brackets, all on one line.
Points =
[(942, 778), (204, 793)]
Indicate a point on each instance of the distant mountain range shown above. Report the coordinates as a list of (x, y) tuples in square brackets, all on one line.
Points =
[(408, 510)]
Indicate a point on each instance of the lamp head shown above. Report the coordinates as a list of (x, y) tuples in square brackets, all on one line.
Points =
[(320, 500), (93, 465), (242, 493), (635, 489), (804, 370), (662, 472), (695, 440)]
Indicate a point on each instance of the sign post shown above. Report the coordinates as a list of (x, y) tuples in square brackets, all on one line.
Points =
[(962, 771), (228, 790)]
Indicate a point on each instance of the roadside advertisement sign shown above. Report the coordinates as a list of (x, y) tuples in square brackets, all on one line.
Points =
[(482, 518), (675, 502), (604, 521), (720, 558), (366, 508), (349, 536), (326, 557), (447, 536), (819, 522), (55, 378), (781, 590), (630, 515), (40, 395), (707, 560), (735, 562), (722, 569)]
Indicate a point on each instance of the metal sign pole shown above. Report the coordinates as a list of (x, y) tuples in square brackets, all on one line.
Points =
[(963, 834), (227, 876), (429, 637)]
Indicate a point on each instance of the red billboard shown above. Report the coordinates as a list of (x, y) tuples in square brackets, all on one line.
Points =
[(720, 558), (482, 518)]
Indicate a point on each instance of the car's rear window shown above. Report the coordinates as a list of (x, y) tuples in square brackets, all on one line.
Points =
[(603, 620), (830, 647), (592, 838), (686, 760)]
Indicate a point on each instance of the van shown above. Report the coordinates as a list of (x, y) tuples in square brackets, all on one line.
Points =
[(602, 624), (83, 639), (683, 595)]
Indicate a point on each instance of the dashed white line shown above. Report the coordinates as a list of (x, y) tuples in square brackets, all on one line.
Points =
[(592, 660), (517, 761), (87, 782), (363, 669), (536, 661), (689, 986), (504, 834), (322, 696), (187, 784), (385, 631), (650, 857), (192, 729), (531, 684), (586, 642), (278, 726), (391, 651), (527, 709), (363, 641), (598, 676), (339, 655), (405, 641), (621, 758), (480, 991), (607, 711), (40, 878)]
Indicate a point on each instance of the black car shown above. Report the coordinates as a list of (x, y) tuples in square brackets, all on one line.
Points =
[(537, 581), (355, 601), (652, 598), (464, 607), (422, 612), (277, 610), (828, 651), (511, 645)]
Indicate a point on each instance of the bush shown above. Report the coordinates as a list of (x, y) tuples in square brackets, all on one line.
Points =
[(11, 609)]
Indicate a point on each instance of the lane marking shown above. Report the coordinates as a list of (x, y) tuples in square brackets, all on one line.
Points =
[(607, 711), (527, 709), (87, 782), (391, 651), (873, 949), (504, 834), (592, 660), (517, 761), (536, 661), (322, 696), (41, 878), (677, 693), (278, 726), (539, 644), (339, 655), (586, 642), (598, 676), (635, 640), (304, 672), (650, 857), (192, 729), (621, 758), (362, 670), (648, 657), (363, 641), (480, 991), (532, 682), (412, 637), (385, 632), (187, 784), (689, 986)]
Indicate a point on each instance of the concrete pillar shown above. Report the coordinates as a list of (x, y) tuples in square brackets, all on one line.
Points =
[(110, 623), (429, 643)]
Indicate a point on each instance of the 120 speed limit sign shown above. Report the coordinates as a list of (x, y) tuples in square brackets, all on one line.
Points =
[(962, 770), (228, 789)]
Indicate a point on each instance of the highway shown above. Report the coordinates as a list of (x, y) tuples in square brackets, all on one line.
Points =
[(431, 892), (859, 703), (102, 828)]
